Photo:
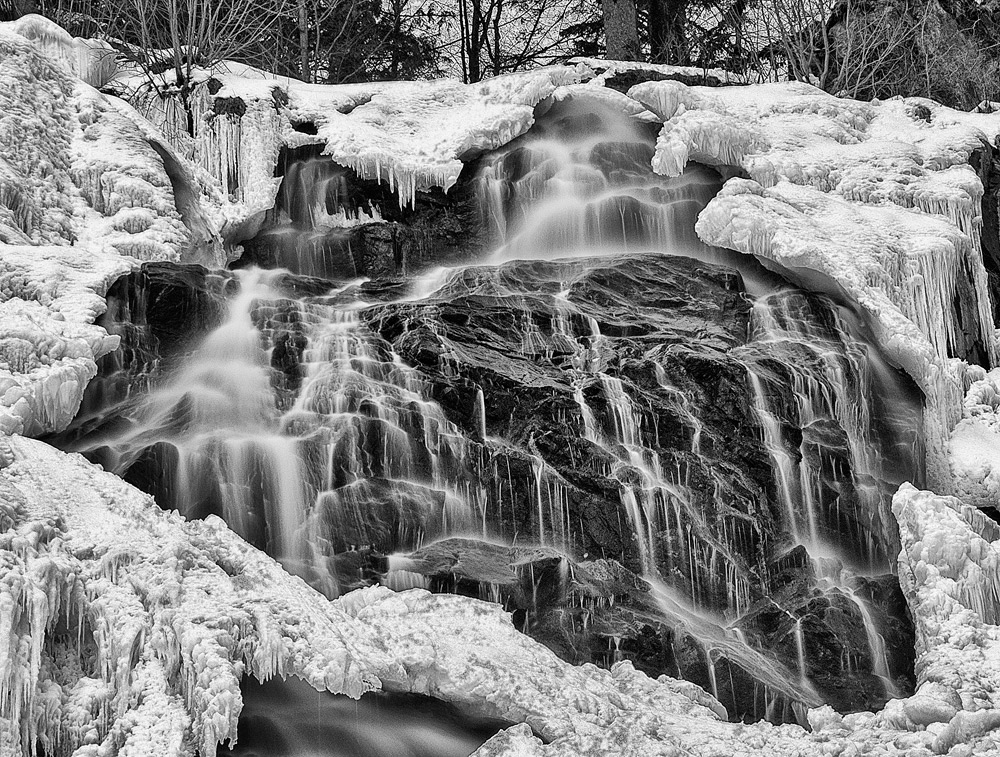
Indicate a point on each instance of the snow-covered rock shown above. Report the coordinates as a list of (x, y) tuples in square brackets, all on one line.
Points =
[(412, 135)]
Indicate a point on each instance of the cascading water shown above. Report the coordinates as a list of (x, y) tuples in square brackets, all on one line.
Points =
[(604, 397)]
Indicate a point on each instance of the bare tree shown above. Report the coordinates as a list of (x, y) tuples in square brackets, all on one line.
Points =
[(863, 49)]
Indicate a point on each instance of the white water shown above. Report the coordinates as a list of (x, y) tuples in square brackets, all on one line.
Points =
[(831, 385)]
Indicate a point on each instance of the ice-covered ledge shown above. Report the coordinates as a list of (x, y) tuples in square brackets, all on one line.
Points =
[(875, 201), (128, 629), (87, 189)]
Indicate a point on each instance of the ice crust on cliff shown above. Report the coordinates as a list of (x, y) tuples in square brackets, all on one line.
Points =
[(411, 135), (128, 629), (87, 189)]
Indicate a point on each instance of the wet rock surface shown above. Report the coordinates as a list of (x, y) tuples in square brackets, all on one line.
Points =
[(372, 235)]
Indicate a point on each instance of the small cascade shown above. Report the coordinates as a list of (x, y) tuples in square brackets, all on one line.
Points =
[(306, 232), (814, 384), (727, 649)]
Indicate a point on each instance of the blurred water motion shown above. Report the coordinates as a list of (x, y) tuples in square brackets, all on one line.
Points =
[(290, 718)]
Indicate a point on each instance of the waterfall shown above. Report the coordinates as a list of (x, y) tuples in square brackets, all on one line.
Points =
[(603, 423)]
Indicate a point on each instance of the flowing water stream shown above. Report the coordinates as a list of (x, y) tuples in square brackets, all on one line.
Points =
[(603, 401)]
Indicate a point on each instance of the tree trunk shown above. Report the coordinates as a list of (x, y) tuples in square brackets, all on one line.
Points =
[(667, 38), (476, 42), (304, 70), (620, 29)]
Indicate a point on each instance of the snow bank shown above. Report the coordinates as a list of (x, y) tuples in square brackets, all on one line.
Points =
[(127, 630)]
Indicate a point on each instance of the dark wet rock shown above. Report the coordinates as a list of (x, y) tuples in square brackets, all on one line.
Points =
[(986, 161), (656, 315), (437, 229), (158, 312)]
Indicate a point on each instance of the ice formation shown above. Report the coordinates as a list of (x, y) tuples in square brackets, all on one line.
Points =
[(875, 201), (86, 188), (129, 628), (412, 135), (92, 60), (975, 444)]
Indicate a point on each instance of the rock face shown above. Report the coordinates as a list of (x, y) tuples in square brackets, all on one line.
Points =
[(537, 370)]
